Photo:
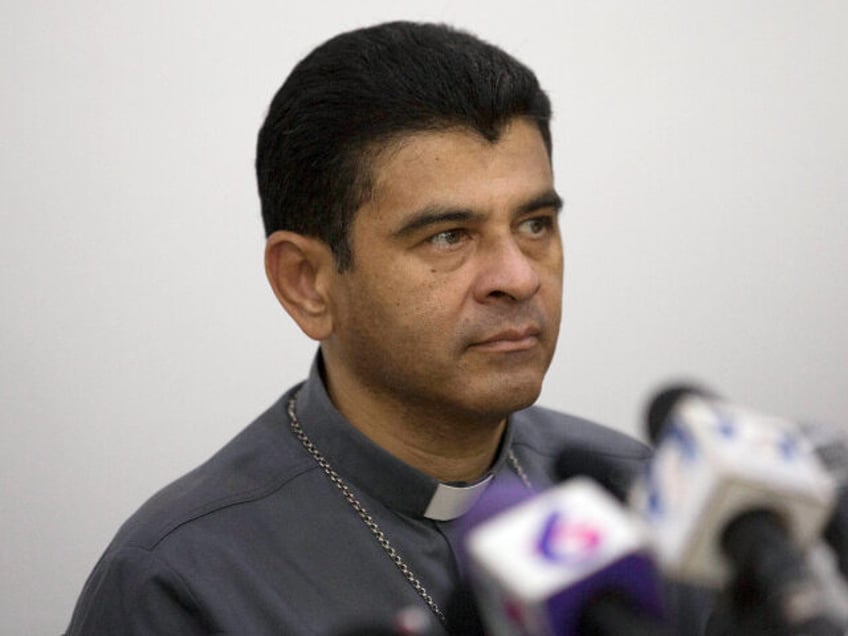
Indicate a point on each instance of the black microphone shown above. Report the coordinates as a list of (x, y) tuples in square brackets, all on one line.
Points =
[(461, 613), (831, 447), (578, 460), (612, 611), (569, 561), (734, 498)]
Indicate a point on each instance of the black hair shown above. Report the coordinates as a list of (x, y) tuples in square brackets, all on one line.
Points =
[(354, 94)]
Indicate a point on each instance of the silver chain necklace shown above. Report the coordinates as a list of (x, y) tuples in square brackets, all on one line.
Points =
[(366, 517)]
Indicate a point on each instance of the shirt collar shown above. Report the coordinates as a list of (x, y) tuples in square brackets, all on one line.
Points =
[(370, 468)]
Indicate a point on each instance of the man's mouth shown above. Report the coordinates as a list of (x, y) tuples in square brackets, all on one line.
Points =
[(509, 340)]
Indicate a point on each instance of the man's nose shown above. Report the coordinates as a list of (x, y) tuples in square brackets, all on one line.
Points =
[(506, 272)]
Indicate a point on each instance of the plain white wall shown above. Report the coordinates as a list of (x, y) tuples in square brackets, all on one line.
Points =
[(701, 148)]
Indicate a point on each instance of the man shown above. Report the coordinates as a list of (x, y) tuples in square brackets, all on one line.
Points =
[(405, 178)]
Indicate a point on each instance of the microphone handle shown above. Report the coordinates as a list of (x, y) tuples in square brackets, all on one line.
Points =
[(612, 615), (772, 571)]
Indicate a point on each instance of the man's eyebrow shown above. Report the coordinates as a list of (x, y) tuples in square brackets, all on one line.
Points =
[(434, 215), (549, 199), (438, 214)]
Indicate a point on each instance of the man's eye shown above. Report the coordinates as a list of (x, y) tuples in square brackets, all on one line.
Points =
[(537, 225), (448, 238)]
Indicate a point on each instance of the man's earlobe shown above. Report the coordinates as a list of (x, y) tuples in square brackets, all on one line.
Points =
[(298, 268)]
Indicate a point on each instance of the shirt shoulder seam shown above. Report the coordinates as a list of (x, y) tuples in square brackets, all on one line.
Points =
[(210, 507)]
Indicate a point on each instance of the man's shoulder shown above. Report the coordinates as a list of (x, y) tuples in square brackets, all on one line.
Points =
[(543, 426), (546, 434), (256, 464)]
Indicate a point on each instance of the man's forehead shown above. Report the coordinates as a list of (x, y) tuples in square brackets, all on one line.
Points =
[(458, 169), (391, 161)]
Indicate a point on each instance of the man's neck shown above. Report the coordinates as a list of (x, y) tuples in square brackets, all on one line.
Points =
[(443, 452), (445, 446)]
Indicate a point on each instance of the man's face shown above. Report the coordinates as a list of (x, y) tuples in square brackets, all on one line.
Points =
[(453, 301)]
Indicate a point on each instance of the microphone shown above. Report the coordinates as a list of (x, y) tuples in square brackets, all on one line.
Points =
[(569, 561), (733, 497), (577, 460), (613, 611), (686, 609), (462, 613), (831, 447), (463, 617)]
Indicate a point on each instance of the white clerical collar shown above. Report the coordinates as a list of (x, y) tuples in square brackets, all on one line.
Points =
[(449, 502)]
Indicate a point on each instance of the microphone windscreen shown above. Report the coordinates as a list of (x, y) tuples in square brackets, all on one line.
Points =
[(664, 402)]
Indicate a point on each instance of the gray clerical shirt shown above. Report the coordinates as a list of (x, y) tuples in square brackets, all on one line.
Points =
[(258, 540)]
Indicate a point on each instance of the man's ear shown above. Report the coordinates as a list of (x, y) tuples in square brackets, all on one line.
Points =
[(299, 269)]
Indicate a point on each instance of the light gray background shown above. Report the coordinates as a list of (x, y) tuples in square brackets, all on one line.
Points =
[(701, 148)]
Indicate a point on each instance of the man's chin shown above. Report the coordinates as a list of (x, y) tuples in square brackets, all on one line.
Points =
[(504, 398)]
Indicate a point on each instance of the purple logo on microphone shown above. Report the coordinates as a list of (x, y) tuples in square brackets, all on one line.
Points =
[(568, 541)]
